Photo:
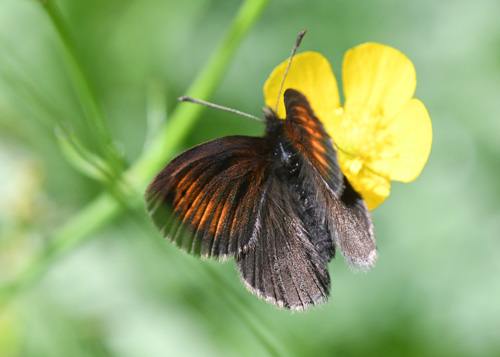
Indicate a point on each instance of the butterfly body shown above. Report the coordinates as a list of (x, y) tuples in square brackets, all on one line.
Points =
[(278, 204)]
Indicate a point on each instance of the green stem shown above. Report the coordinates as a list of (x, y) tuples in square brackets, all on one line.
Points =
[(105, 208), (84, 92)]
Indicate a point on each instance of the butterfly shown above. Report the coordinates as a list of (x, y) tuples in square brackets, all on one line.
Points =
[(278, 204)]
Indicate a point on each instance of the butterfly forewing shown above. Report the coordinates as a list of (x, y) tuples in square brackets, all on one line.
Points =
[(306, 132), (207, 199)]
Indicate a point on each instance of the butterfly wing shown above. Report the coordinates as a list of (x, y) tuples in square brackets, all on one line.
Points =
[(308, 135), (347, 216), (223, 198), (355, 235), (208, 199), (284, 266)]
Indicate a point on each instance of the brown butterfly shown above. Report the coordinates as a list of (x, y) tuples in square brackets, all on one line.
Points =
[(278, 204)]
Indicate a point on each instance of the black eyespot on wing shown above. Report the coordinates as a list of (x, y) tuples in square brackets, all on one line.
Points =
[(207, 199)]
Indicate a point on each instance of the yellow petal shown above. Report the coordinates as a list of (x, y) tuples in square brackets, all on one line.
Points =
[(310, 74), (373, 188), (409, 144), (377, 78)]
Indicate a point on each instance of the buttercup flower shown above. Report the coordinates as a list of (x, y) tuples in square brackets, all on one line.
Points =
[(381, 133)]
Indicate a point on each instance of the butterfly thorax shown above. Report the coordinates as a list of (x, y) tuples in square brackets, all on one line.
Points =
[(281, 150)]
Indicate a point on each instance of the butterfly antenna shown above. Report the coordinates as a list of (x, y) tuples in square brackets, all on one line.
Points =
[(216, 106), (295, 47)]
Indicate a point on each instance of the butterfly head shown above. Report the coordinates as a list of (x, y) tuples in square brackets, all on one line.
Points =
[(274, 125)]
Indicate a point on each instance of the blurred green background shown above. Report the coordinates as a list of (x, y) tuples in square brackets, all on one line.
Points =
[(124, 292)]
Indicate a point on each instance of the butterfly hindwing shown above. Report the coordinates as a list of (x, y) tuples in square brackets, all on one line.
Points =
[(284, 266), (208, 199), (355, 236)]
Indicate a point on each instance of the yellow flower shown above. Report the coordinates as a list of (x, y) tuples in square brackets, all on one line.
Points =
[(381, 133)]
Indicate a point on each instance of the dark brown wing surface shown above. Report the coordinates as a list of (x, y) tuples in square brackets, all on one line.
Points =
[(355, 236), (284, 266), (308, 135), (208, 199), (347, 214)]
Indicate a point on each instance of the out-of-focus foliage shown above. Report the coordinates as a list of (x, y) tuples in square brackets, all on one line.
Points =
[(125, 292)]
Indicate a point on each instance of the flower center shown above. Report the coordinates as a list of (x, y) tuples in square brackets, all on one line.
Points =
[(362, 138)]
